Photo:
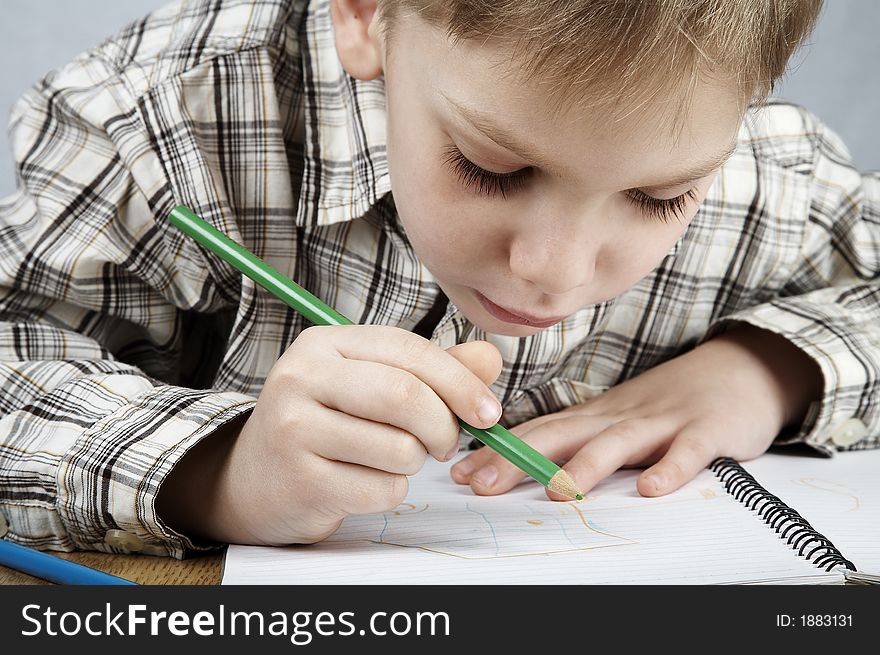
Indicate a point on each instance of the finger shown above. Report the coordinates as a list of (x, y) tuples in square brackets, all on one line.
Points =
[(354, 489), (622, 443), (689, 453), (368, 443), (481, 357), (557, 440), (391, 396), (462, 470), (462, 390)]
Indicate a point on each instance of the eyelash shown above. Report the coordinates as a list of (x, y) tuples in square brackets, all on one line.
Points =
[(485, 182), (663, 210), (491, 184)]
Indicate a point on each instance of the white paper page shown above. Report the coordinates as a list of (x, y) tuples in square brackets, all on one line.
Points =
[(839, 497), (444, 534)]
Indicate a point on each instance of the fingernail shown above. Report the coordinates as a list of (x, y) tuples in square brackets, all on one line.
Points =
[(658, 480), (489, 411), (464, 467), (452, 453), (486, 476)]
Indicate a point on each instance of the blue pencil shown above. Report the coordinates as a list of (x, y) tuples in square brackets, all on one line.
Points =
[(55, 569)]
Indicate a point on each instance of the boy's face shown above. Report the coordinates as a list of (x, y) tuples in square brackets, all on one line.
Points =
[(508, 203)]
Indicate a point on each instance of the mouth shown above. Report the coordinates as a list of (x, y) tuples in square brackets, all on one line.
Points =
[(513, 316)]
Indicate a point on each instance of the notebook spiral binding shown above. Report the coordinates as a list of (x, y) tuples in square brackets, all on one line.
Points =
[(787, 523)]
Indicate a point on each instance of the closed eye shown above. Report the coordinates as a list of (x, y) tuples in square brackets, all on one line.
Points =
[(662, 209), (491, 183), (488, 183)]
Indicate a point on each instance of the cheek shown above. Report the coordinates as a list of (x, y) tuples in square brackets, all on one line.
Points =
[(635, 253), (428, 209), (415, 184), (448, 227)]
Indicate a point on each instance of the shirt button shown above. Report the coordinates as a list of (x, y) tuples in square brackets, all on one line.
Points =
[(124, 541), (4, 526), (848, 433)]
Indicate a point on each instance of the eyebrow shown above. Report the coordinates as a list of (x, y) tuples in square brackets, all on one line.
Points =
[(695, 171), (509, 141), (501, 137)]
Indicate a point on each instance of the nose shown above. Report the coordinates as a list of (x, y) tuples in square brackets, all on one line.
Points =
[(554, 263)]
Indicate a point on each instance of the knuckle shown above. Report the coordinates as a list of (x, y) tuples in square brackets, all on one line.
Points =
[(587, 469), (291, 373), (405, 389), (313, 339), (409, 453), (289, 425), (465, 380), (453, 429), (286, 377), (697, 448), (414, 349), (309, 336), (441, 431), (281, 371), (679, 469), (626, 430)]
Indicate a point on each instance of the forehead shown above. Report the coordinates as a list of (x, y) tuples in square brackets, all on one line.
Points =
[(690, 120)]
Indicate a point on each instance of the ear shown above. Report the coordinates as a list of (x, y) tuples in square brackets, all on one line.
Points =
[(357, 40)]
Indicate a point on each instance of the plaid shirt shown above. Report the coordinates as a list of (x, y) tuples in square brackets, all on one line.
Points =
[(123, 343)]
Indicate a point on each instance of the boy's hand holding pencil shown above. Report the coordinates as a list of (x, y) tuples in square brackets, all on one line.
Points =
[(345, 415)]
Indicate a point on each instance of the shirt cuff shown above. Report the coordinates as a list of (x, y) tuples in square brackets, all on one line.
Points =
[(108, 481), (846, 416)]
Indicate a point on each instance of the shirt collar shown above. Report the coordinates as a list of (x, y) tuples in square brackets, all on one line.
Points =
[(345, 164)]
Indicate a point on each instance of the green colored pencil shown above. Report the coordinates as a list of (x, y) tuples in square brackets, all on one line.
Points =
[(505, 443)]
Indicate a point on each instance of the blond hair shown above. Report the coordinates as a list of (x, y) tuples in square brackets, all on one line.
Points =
[(626, 51)]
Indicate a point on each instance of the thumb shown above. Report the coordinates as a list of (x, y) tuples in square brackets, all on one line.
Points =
[(481, 357)]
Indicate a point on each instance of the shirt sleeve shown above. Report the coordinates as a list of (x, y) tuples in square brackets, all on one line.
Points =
[(830, 308), (110, 322)]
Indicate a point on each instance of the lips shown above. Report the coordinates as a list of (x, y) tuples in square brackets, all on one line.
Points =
[(513, 316)]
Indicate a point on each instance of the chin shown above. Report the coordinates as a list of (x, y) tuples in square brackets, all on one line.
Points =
[(519, 331), (505, 329)]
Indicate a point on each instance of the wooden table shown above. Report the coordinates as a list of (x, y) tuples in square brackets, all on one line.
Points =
[(144, 569)]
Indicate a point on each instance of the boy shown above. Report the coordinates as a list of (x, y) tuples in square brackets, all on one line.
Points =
[(588, 224)]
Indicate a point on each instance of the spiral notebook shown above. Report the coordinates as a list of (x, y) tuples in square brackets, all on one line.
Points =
[(779, 519)]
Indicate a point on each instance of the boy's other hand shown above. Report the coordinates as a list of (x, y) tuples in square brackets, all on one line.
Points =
[(730, 396), (345, 415)]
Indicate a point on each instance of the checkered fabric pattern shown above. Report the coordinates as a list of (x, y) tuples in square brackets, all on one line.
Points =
[(123, 343)]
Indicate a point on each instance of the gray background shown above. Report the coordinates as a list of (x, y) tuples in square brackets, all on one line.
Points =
[(835, 75)]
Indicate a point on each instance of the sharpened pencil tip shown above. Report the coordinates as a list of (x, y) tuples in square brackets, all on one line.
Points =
[(562, 483)]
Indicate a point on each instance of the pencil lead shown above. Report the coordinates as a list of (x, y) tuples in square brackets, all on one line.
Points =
[(562, 484)]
